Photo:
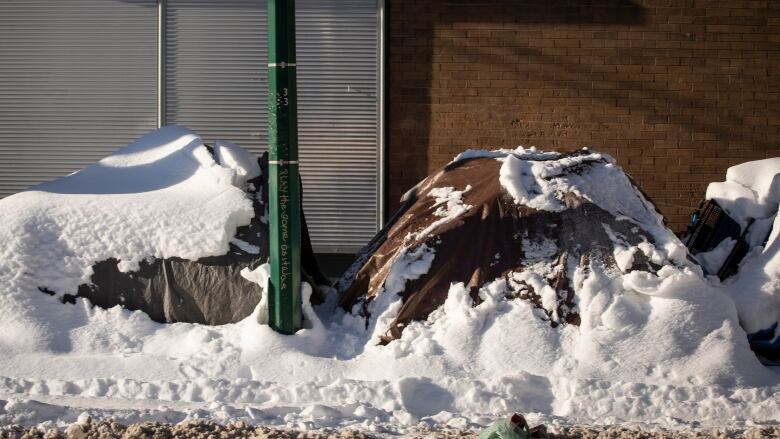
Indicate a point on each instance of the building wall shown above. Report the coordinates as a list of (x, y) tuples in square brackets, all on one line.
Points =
[(675, 90)]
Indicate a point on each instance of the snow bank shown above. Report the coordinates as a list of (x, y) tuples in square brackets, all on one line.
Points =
[(662, 348), (750, 195)]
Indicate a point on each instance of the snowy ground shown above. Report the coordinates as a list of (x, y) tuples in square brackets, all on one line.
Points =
[(660, 351)]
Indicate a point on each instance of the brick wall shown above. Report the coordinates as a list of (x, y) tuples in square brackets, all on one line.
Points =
[(676, 90)]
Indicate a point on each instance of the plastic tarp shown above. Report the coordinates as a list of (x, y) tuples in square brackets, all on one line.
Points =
[(210, 290), (492, 239)]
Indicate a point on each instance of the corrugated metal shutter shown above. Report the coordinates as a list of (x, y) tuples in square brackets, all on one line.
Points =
[(77, 80), (216, 57), (337, 123), (216, 54)]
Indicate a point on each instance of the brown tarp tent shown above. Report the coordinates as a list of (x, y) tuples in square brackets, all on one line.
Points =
[(493, 239)]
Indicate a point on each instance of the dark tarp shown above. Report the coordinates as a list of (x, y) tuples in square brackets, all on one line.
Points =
[(710, 225), (210, 290), (466, 247)]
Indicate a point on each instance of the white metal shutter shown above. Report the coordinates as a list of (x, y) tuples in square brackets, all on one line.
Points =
[(215, 74), (338, 67), (216, 55), (77, 80)]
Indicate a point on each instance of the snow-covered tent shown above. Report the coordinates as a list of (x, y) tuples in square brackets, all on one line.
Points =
[(541, 221), (165, 225)]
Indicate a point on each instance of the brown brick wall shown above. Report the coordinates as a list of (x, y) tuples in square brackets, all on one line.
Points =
[(675, 90)]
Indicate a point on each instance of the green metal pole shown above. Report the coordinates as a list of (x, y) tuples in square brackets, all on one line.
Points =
[(284, 305)]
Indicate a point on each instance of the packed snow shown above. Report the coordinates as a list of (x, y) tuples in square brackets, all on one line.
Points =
[(751, 190), (242, 161), (409, 265), (661, 349), (715, 258), (750, 195)]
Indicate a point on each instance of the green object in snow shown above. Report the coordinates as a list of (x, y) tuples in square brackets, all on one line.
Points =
[(284, 295), (506, 429)]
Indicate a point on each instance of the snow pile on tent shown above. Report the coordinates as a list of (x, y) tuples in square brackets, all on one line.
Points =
[(152, 206), (751, 195), (541, 258), (163, 225), (596, 318)]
